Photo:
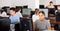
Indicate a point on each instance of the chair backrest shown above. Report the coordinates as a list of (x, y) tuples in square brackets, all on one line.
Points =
[(32, 13), (4, 24), (57, 16), (26, 24)]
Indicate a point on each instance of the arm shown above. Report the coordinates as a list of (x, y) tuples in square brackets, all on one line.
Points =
[(34, 26), (33, 18), (33, 23), (21, 15), (49, 28), (48, 25), (36, 29)]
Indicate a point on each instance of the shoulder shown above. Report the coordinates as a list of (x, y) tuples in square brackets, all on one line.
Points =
[(34, 15), (17, 16), (46, 21), (36, 21), (3, 12)]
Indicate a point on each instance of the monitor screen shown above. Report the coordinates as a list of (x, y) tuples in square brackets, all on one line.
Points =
[(26, 11)]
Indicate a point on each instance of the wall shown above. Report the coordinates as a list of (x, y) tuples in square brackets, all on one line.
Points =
[(13, 3), (30, 3), (57, 2), (44, 2)]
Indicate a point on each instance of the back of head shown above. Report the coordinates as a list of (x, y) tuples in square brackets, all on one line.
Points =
[(51, 2), (13, 9), (58, 7), (42, 12), (36, 10)]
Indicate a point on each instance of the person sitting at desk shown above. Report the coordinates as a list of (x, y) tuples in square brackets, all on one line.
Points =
[(50, 5), (14, 19), (3, 13), (51, 9), (19, 13), (35, 17), (42, 24)]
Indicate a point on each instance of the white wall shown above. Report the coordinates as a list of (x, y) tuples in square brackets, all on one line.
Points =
[(44, 2), (33, 4), (10, 3), (13, 3), (30, 3), (57, 2)]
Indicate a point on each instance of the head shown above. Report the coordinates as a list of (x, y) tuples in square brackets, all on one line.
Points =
[(12, 11), (58, 7), (36, 11), (42, 15), (18, 9), (51, 3), (2, 10)]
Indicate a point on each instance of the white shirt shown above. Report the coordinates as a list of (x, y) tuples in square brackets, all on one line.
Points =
[(4, 14), (19, 14), (35, 17)]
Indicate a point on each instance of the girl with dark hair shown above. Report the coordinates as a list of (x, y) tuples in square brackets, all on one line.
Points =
[(42, 24)]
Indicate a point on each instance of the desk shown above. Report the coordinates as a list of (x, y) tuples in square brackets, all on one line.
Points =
[(50, 30), (55, 24), (54, 21)]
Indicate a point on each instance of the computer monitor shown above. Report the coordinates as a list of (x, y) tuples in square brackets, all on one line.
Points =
[(46, 12), (25, 6), (26, 11), (41, 6)]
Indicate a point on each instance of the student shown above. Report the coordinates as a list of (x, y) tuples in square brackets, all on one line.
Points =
[(3, 13), (51, 9), (58, 9), (19, 13), (50, 5), (14, 19), (42, 24), (36, 15)]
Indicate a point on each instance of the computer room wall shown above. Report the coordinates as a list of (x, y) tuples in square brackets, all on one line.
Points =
[(30, 3)]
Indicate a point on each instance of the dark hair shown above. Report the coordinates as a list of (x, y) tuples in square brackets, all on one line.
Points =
[(2, 10), (58, 6), (14, 9), (51, 2), (42, 12), (36, 9)]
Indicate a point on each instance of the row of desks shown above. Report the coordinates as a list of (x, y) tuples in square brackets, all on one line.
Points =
[(54, 21)]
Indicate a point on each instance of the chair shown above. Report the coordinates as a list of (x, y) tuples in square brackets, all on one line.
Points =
[(4, 24), (57, 16), (26, 24)]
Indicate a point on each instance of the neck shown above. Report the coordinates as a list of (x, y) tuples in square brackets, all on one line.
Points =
[(42, 20), (37, 14), (13, 15)]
